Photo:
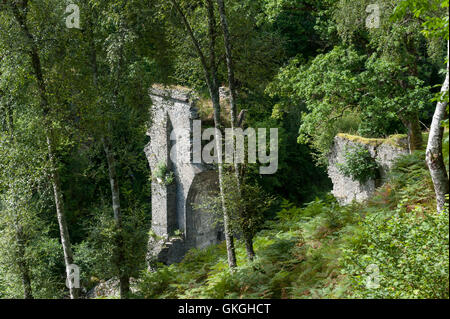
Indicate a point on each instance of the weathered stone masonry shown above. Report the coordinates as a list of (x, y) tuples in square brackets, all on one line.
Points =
[(384, 151), (174, 206)]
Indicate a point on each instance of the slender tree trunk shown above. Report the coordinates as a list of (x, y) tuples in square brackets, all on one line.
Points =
[(113, 182), (214, 91), (20, 15), (124, 278), (434, 157), (212, 83), (22, 264), (231, 79), (24, 268), (61, 216), (229, 58), (231, 252), (233, 113), (248, 239)]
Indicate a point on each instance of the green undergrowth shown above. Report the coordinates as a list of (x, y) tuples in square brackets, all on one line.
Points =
[(393, 246)]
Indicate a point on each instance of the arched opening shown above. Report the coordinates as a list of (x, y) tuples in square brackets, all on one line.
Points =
[(201, 229)]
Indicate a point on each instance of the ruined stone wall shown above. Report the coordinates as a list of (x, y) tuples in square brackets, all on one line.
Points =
[(384, 151), (177, 222)]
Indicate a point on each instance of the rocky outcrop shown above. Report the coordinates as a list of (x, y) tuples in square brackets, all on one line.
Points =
[(384, 151)]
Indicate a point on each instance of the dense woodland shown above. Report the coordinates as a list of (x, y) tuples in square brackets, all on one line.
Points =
[(75, 182)]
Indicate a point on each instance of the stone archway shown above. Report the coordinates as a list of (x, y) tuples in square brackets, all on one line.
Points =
[(201, 228)]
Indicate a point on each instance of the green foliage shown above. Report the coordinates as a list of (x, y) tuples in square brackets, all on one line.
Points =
[(44, 256), (411, 181), (295, 21), (97, 254), (381, 77), (290, 182), (322, 250), (26, 237), (163, 175), (247, 205), (359, 164), (47, 268), (404, 237), (291, 261), (410, 249), (327, 86), (351, 91), (435, 24), (299, 64)]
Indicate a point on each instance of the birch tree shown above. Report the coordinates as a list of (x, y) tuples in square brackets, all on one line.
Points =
[(212, 81), (20, 11), (233, 116), (434, 156), (434, 15)]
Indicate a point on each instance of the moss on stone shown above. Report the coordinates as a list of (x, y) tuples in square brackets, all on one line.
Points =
[(362, 140), (206, 111), (394, 140), (203, 103), (172, 87), (397, 140)]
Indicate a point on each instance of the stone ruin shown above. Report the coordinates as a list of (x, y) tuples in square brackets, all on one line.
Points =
[(384, 151), (178, 224)]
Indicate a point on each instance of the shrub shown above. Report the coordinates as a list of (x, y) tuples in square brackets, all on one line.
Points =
[(163, 175), (97, 254), (403, 236), (359, 164), (409, 251)]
